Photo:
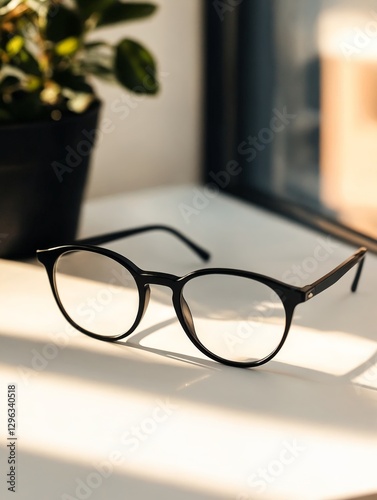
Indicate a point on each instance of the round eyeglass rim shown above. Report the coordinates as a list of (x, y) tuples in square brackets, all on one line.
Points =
[(290, 296)]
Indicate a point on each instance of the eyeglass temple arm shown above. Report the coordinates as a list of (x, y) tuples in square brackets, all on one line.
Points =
[(108, 237), (334, 275)]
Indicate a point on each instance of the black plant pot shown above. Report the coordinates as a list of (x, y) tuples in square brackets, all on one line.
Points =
[(43, 171)]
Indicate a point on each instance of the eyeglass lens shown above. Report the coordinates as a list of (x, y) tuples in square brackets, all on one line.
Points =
[(236, 318), (99, 294)]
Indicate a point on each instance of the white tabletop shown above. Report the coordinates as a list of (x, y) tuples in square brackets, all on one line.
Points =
[(152, 417)]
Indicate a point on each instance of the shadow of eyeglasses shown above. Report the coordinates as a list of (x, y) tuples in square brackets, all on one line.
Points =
[(273, 367)]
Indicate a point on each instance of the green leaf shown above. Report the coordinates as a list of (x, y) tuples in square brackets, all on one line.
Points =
[(135, 68), (88, 7), (98, 58), (33, 83), (119, 12), (63, 23), (14, 46), (100, 70), (67, 47), (72, 81), (26, 62), (95, 45)]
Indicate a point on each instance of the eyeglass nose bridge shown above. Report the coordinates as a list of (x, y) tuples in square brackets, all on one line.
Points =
[(180, 305)]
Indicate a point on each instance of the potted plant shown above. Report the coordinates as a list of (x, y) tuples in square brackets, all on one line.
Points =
[(49, 109)]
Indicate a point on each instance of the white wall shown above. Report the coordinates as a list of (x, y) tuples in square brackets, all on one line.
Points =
[(154, 140)]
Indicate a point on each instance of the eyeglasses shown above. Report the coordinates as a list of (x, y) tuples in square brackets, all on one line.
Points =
[(235, 317)]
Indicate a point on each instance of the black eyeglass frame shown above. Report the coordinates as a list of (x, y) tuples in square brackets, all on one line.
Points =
[(290, 295)]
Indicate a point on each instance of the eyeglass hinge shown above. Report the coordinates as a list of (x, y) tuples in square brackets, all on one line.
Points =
[(310, 294)]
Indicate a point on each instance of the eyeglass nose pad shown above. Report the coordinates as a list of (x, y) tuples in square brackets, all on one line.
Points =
[(187, 315)]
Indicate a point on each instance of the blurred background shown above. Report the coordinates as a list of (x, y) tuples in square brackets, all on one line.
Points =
[(155, 140)]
